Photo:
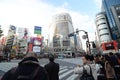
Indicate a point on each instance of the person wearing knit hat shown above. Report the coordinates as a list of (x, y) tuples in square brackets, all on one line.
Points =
[(52, 68)]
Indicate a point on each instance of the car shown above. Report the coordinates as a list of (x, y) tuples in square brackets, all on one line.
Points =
[(61, 56)]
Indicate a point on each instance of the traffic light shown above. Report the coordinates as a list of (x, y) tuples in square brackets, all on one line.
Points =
[(71, 34)]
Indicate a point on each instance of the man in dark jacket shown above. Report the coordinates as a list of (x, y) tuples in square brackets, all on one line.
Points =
[(52, 69), (27, 69)]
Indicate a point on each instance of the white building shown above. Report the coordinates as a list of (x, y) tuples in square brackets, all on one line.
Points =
[(103, 31), (61, 26)]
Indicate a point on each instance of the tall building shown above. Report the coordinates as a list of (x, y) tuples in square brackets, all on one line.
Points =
[(106, 44), (116, 14), (107, 7), (61, 26), (103, 31), (10, 36)]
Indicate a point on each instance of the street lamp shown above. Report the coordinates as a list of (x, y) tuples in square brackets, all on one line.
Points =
[(61, 36), (84, 37)]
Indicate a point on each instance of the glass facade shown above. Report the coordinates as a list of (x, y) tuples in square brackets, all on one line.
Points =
[(106, 6)]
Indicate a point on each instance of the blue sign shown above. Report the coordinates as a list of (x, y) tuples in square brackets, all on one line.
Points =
[(37, 30)]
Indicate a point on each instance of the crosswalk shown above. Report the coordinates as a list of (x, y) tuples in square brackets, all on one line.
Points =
[(65, 73)]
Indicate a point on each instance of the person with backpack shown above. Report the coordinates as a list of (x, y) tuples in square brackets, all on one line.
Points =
[(99, 67), (87, 71), (27, 69), (52, 68)]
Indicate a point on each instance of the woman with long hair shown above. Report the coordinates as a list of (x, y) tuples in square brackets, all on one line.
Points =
[(110, 73)]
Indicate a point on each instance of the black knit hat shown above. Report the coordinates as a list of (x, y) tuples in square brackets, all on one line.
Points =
[(51, 57)]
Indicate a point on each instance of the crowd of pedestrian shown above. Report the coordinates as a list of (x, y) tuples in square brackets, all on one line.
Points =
[(95, 67), (99, 67), (30, 69)]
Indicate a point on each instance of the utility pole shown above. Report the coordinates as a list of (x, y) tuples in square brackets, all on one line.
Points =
[(85, 37)]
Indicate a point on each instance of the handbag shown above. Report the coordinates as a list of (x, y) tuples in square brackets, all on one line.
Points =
[(86, 76)]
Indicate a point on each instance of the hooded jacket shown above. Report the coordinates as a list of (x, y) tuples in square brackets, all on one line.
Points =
[(26, 67)]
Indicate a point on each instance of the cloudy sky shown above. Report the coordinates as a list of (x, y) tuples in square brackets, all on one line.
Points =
[(30, 13)]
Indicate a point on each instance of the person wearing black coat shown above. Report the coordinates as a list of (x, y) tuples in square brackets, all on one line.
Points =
[(52, 69), (27, 69)]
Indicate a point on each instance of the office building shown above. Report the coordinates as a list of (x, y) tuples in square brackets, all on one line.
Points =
[(114, 28), (103, 31), (116, 14), (59, 42)]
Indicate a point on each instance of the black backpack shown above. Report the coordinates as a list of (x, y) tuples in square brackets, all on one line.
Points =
[(31, 76), (86, 76)]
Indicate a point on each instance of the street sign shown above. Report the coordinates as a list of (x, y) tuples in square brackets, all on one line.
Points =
[(37, 30)]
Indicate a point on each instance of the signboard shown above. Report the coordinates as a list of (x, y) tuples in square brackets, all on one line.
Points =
[(37, 30), (36, 41), (22, 33), (36, 49), (12, 30)]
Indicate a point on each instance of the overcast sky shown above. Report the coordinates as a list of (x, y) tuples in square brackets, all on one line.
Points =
[(30, 13)]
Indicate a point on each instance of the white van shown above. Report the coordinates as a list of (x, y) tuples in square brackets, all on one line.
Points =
[(68, 54)]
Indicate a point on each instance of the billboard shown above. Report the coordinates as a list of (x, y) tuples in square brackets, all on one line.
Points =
[(37, 30), (12, 30), (22, 33), (36, 41), (36, 49)]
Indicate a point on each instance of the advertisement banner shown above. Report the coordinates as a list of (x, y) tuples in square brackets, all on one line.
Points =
[(22, 33), (37, 30), (36, 49), (12, 30)]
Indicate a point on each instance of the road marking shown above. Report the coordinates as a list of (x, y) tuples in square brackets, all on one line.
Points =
[(7, 66), (63, 67), (71, 67), (61, 71), (73, 77), (65, 74)]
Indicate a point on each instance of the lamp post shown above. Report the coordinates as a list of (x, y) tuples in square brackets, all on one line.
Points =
[(84, 37), (61, 36)]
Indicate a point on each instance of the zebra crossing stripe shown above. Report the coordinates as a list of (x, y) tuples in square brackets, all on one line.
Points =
[(61, 71), (73, 77), (63, 67), (65, 74), (7, 66)]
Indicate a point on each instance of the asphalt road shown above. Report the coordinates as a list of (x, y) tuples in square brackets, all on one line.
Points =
[(66, 67)]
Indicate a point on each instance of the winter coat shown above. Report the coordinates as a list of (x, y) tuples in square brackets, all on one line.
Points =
[(79, 70), (52, 69), (26, 67)]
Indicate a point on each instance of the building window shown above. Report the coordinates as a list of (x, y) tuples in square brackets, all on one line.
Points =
[(102, 29), (101, 18), (66, 43), (101, 24), (104, 34)]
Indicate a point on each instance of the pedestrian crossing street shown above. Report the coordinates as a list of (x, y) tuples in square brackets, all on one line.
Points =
[(65, 73)]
